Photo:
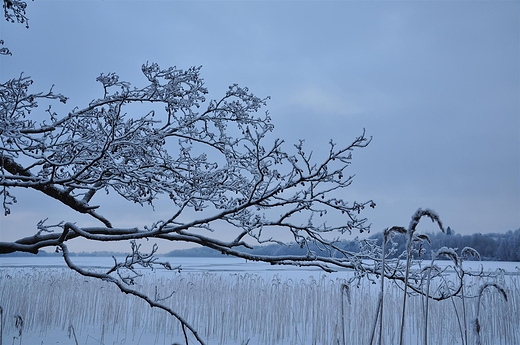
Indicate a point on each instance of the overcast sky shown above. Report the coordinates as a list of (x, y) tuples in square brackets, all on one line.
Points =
[(436, 84)]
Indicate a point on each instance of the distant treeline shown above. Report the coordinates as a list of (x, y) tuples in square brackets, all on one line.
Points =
[(492, 247)]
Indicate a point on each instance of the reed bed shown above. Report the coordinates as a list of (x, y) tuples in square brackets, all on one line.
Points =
[(237, 308)]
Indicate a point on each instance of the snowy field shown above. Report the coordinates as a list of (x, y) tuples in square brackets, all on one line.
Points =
[(230, 301)]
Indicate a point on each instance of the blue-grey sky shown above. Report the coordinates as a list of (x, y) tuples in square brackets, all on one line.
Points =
[(436, 83)]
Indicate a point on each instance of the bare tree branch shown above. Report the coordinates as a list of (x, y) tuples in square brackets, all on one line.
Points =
[(209, 158), (127, 290)]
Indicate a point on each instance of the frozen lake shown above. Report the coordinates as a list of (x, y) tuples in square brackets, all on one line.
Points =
[(222, 265), (229, 265)]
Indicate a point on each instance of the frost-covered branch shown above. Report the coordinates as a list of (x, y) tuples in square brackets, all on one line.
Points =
[(123, 286), (15, 11), (206, 156)]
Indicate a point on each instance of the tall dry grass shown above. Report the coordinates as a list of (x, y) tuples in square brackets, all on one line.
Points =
[(234, 308)]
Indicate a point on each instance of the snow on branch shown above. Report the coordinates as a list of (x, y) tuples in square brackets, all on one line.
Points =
[(209, 157)]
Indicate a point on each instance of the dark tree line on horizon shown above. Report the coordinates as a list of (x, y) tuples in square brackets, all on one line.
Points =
[(491, 246)]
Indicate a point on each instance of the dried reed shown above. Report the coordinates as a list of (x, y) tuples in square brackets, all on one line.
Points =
[(237, 308)]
